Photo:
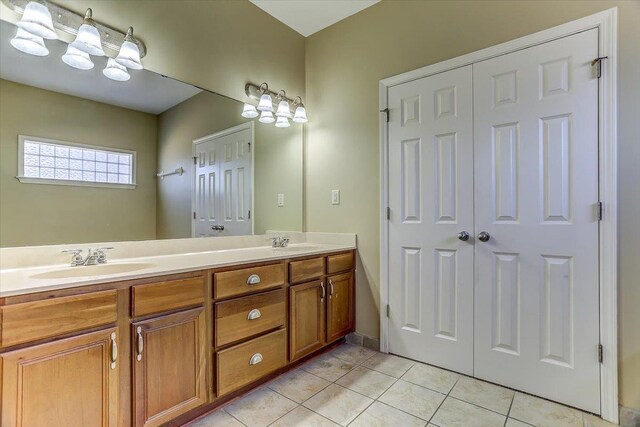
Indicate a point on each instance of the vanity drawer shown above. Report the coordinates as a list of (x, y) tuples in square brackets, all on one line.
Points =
[(307, 269), (36, 320), (235, 368), (248, 316), (238, 282), (164, 296), (340, 262)]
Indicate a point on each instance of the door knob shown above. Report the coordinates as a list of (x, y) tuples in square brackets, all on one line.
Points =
[(483, 236), (463, 235)]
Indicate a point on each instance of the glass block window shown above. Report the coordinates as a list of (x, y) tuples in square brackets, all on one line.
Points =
[(42, 159)]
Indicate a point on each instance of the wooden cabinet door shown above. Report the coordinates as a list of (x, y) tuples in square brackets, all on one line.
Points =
[(70, 382), (306, 318), (169, 366), (340, 306)]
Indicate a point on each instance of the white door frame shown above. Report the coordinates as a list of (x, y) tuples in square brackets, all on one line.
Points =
[(606, 22), (229, 131)]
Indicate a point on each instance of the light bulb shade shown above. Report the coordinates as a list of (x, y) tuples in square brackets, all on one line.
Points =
[(282, 122), (283, 109), (36, 19), (266, 117), (266, 103), (88, 38), (129, 54), (115, 71), (301, 115), (77, 59), (29, 43), (249, 111)]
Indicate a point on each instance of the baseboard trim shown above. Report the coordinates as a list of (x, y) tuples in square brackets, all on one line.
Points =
[(363, 341), (629, 417)]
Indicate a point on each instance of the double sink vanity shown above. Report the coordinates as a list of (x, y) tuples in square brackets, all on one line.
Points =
[(165, 337)]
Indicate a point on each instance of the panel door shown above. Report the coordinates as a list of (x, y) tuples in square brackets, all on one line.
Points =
[(431, 201), (307, 318), (67, 383), (536, 163), (169, 366), (340, 305)]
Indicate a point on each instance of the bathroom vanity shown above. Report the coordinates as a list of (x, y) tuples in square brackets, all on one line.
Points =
[(157, 348)]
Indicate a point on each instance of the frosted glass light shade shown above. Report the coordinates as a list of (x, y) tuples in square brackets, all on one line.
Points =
[(129, 54), (36, 19), (77, 59), (283, 109), (88, 38), (266, 103), (301, 115), (266, 117), (115, 71), (249, 111), (29, 43), (282, 122)]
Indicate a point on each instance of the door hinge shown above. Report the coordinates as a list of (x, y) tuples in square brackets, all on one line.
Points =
[(194, 215), (598, 63), (388, 309), (600, 211), (388, 213), (249, 146), (600, 353), (386, 111), (195, 160), (249, 214)]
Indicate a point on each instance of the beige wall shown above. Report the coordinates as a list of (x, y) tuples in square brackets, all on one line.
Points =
[(277, 165), (344, 64), (36, 214)]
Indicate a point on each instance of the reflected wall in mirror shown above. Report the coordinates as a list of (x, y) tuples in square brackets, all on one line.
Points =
[(87, 149)]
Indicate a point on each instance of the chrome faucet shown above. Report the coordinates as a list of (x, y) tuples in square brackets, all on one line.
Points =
[(98, 256), (280, 242)]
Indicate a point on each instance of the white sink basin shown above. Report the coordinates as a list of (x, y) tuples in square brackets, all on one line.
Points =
[(93, 270)]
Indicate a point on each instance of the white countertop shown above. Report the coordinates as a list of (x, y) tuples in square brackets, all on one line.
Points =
[(24, 280)]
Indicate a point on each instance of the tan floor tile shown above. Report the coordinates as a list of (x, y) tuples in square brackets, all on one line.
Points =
[(260, 408), (328, 367), (543, 413), (366, 381), (593, 421), (353, 353), (412, 398), (381, 415), (483, 394), (456, 413), (431, 377), (389, 364), (338, 404), (298, 385), (515, 423), (218, 419), (302, 417)]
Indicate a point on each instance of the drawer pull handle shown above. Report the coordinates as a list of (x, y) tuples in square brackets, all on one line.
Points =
[(254, 279), (254, 314), (140, 344), (255, 359), (114, 350)]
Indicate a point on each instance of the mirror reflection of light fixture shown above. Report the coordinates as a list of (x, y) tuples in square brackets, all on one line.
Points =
[(249, 111), (36, 19), (129, 55), (266, 117), (29, 43), (88, 38), (115, 71), (77, 59), (282, 122)]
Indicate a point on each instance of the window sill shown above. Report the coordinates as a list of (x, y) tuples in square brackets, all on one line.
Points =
[(27, 180)]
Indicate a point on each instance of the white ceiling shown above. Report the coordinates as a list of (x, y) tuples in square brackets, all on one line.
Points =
[(310, 16), (146, 91)]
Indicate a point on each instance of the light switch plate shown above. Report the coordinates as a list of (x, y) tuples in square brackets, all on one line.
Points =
[(280, 200), (335, 197)]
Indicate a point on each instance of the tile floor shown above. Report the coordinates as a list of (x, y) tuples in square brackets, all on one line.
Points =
[(359, 387)]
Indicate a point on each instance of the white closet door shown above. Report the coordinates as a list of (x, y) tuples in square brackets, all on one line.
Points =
[(431, 201), (536, 180), (206, 198)]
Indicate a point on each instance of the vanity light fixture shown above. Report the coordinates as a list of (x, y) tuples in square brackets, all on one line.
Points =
[(88, 38), (282, 122), (266, 102), (265, 106), (29, 43), (283, 107), (77, 59), (115, 71), (266, 117), (249, 111), (36, 19), (301, 113), (129, 55)]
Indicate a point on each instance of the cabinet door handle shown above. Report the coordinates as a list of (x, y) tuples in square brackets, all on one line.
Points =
[(254, 314), (140, 343), (323, 292), (255, 359), (331, 284), (114, 350), (254, 279)]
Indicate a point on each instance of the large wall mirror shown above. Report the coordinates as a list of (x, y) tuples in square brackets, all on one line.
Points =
[(80, 156)]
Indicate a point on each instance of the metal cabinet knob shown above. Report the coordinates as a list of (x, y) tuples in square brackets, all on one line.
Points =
[(463, 235), (255, 359), (254, 279), (483, 236), (254, 314)]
